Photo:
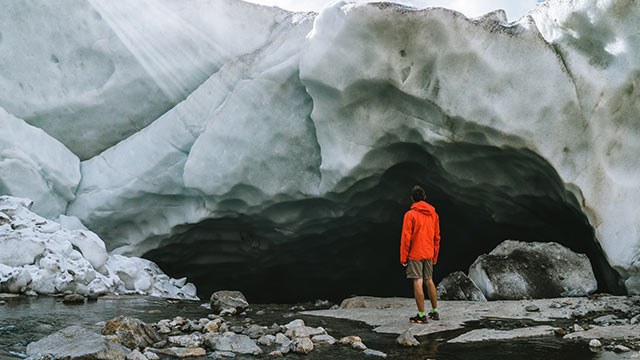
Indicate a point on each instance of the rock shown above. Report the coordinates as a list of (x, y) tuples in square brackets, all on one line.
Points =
[(634, 320), (255, 331), (76, 342), (372, 302), (276, 353), (285, 347), (371, 352), (232, 342), (136, 355), (348, 340), (608, 320), (407, 339), (560, 332), (493, 334), (521, 270), (621, 348), (180, 352), (228, 301), (294, 324), (2, 302), (358, 345), (281, 338), (304, 331), (301, 345), (73, 299), (222, 355), (324, 339), (213, 325), (267, 340), (532, 308), (458, 286), (595, 343), (577, 327), (131, 332), (189, 341), (151, 355)]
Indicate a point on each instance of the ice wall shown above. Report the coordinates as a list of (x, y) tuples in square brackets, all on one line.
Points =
[(296, 128)]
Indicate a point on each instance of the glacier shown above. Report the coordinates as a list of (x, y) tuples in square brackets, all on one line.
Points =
[(257, 145)]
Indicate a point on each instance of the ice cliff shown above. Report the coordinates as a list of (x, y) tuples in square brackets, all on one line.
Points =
[(240, 144)]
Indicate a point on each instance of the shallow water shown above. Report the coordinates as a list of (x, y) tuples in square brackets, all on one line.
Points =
[(27, 319)]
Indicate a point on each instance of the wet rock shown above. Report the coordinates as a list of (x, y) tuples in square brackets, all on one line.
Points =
[(255, 331), (229, 302), (302, 345), (348, 340), (189, 341), (281, 338), (532, 308), (267, 340), (222, 355), (323, 339), (560, 332), (407, 339), (2, 302), (232, 342), (621, 348), (521, 270), (458, 286), (150, 355), (358, 345), (73, 299), (180, 352), (595, 343), (76, 342), (136, 355), (371, 352), (131, 332), (294, 324)]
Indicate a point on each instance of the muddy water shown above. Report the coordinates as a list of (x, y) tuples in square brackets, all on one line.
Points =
[(27, 319)]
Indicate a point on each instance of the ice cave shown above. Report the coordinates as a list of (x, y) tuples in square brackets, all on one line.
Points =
[(273, 152)]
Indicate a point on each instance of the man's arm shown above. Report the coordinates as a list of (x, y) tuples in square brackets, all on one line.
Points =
[(436, 240), (405, 241)]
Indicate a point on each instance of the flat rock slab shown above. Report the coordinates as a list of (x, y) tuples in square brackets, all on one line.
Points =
[(614, 332), (76, 342), (385, 318), (492, 334)]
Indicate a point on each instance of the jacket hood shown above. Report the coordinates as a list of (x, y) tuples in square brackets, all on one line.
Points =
[(423, 207)]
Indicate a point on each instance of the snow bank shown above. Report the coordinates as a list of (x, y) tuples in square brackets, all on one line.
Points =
[(38, 255)]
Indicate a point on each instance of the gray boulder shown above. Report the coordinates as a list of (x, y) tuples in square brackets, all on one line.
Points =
[(76, 342), (241, 344), (232, 302), (458, 286), (131, 332), (524, 270)]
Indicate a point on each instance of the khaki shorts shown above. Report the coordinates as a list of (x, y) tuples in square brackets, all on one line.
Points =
[(419, 269)]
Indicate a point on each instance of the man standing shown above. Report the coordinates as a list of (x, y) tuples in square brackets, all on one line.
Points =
[(419, 248)]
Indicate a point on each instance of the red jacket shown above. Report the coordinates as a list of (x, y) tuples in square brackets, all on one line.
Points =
[(420, 233)]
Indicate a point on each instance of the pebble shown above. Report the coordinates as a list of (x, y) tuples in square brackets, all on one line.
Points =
[(532, 308), (371, 352), (358, 345), (595, 343), (2, 302), (621, 348)]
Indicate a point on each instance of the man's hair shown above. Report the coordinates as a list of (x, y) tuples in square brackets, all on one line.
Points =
[(417, 194)]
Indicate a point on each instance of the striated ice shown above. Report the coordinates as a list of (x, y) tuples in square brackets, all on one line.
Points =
[(40, 255)]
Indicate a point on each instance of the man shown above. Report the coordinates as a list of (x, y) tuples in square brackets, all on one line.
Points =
[(419, 248)]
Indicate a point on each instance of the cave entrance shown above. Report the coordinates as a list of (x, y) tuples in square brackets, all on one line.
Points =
[(347, 243)]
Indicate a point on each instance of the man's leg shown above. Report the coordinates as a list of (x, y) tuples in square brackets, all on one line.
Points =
[(431, 291), (419, 294)]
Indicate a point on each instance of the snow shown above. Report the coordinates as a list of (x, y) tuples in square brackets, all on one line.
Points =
[(39, 255)]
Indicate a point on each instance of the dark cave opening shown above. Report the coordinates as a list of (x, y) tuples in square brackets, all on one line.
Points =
[(347, 243)]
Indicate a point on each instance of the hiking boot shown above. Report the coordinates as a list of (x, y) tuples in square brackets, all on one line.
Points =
[(434, 315), (418, 319)]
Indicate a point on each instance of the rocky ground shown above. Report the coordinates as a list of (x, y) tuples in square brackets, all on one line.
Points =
[(612, 322)]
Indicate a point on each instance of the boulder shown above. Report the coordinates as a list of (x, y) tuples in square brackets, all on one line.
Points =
[(226, 300), (458, 286), (76, 342), (131, 332), (521, 270)]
